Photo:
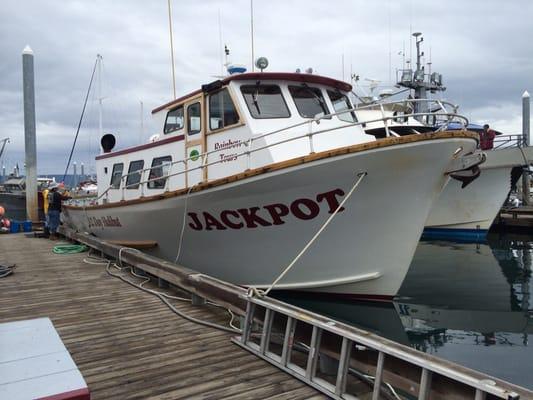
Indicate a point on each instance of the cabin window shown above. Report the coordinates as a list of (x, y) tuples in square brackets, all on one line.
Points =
[(265, 101), (174, 121), (194, 116), (116, 175), (309, 101), (222, 111), (134, 174), (341, 102), (160, 168)]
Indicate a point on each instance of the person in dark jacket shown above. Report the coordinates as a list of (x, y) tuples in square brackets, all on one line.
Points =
[(54, 209)]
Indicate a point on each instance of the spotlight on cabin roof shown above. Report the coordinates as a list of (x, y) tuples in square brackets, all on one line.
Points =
[(261, 63), (236, 69)]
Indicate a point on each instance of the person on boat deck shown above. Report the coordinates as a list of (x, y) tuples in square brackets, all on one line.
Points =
[(54, 209), (486, 138), (4, 222), (46, 203)]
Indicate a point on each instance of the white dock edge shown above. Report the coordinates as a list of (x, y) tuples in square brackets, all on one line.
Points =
[(34, 363)]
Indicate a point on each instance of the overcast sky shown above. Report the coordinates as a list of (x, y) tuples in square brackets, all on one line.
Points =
[(484, 49)]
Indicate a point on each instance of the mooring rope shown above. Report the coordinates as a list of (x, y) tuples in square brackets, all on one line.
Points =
[(360, 176), (162, 296), (183, 224)]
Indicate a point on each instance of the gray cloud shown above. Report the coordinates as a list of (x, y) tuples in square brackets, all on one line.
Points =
[(483, 48)]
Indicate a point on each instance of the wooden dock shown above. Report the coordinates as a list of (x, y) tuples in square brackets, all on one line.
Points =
[(516, 218), (126, 343)]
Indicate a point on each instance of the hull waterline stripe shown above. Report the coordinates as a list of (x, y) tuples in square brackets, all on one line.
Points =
[(451, 233)]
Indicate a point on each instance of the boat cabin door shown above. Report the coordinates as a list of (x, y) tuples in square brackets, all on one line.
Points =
[(194, 140)]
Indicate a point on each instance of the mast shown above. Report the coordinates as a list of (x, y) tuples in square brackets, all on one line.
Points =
[(171, 49), (141, 133), (419, 81), (4, 142), (99, 59), (252, 31), (220, 44)]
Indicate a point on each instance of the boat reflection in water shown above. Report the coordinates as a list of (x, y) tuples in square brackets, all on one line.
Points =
[(468, 303)]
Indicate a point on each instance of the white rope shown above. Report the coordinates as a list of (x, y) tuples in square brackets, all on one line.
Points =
[(183, 224), (360, 176), (161, 295)]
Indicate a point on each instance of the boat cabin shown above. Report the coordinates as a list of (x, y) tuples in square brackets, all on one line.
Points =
[(15, 184), (243, 122)]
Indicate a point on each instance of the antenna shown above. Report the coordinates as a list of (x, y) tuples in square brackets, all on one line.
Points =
[(226, 52), (390, 54), (411, 32), (343, 66), (220, 44), (141, 132), (351, 68), (4, 142), (403, 55), (171, 49), (252, 31), (430, 62)]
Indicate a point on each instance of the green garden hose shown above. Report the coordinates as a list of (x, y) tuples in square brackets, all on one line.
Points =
[(69, 248)]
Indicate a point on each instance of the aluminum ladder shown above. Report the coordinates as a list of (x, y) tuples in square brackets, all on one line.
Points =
[(262, 311)]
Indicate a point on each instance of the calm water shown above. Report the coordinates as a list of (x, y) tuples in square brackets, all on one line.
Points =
[(468, 303)]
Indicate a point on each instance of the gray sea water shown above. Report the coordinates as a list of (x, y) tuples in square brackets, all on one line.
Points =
[(465, 302)]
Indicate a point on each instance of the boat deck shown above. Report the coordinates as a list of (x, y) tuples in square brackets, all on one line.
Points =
[(125, 342)]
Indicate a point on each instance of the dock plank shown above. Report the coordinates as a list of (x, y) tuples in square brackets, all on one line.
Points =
[(126, 343)]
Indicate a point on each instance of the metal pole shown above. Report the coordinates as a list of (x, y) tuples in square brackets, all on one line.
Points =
[(100, 98), (3, 173), (141, 133), (82, 171), (171, 49), (525, 139), (252, 31), (75, 174), (30, 141)]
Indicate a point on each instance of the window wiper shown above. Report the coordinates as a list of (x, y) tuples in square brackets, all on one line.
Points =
[(255, 103), (317, 97)]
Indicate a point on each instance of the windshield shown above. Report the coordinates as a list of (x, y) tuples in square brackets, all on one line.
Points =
[(309, 101), (265, 101), (341, 102)]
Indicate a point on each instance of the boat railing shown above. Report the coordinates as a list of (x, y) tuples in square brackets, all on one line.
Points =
[(251, 149), (509, 141), (437, 109)]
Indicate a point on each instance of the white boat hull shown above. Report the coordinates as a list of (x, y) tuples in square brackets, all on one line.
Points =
[(366, 250), (472, 210)]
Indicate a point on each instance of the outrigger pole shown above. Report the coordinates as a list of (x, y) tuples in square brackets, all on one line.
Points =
[(4, 142), (98, 57)]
